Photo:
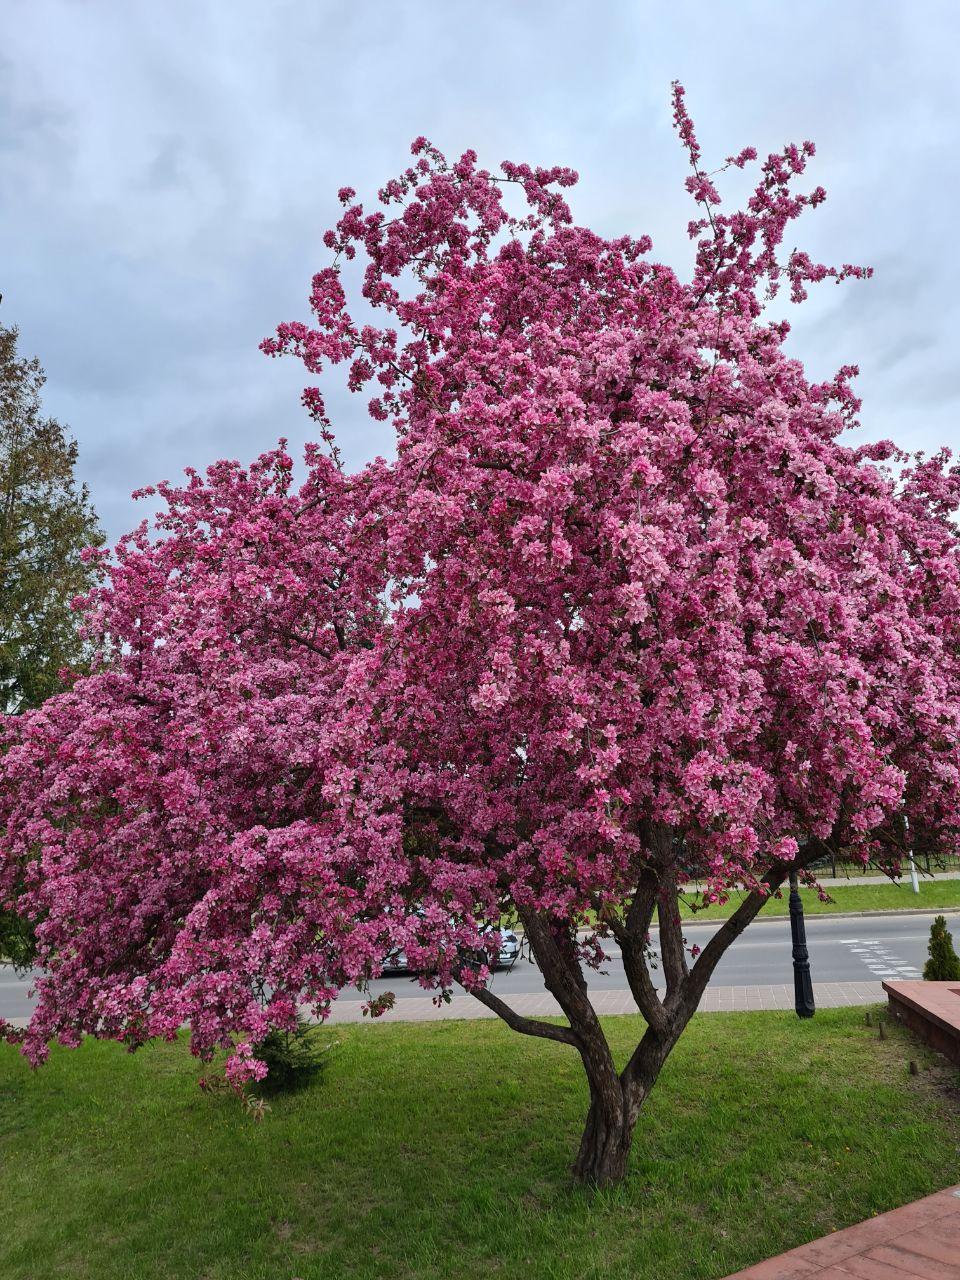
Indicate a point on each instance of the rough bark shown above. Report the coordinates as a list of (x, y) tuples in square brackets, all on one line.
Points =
[(605, 1145)]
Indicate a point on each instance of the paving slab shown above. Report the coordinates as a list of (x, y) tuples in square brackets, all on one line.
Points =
[(919, 1241), (739, 999)]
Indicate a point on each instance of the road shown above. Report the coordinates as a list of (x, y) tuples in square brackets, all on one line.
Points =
[(854, 950), (866, 948)]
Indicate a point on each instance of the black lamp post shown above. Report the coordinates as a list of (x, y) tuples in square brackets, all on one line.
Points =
[(802, 984)]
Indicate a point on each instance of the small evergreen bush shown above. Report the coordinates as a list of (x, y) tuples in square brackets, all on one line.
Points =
[(292, 1057), (944, 963)]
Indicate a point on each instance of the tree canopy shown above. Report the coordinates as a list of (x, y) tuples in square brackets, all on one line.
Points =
[(625, 608), (46, 522)]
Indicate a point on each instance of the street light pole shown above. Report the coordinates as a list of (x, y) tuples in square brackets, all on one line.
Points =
[(915, 883), (802, 984)]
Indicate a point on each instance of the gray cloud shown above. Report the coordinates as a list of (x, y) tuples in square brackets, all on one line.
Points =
[(167, 172)]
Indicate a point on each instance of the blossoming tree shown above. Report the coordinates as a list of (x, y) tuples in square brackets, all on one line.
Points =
[(624, 609)]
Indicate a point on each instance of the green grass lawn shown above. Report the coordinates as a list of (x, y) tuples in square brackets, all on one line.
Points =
[(933, 895), (440, 1152)]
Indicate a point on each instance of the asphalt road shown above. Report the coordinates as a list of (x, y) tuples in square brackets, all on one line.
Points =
[(864, 949), (867, 948)]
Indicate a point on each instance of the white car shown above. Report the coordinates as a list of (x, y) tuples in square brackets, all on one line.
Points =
[(396, 962)]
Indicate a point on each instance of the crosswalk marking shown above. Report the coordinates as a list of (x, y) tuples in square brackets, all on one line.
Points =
[(881, 959)]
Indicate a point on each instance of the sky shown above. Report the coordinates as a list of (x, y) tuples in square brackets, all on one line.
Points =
[(167, 172)]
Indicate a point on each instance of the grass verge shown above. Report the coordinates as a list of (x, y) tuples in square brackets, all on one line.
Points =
[(934, 895), (440, 1151)]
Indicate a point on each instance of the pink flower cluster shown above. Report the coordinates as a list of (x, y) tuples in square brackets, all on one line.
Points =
[(624, 572)]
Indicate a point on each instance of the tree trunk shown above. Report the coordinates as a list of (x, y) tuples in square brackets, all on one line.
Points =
[(605, 1145), (615, 1108), (616, 1099)]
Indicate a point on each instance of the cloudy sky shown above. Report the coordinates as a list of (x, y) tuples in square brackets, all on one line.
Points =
[(167, 171)]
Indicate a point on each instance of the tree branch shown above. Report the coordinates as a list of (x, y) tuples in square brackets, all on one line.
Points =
[(675, 968), (732, 928), (526, 1026), (564, 980), (309, 644), (632, 936)]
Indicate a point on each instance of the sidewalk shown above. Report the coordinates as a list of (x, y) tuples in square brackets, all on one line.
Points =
[(748, 999), (920, 1241), (828, 995)]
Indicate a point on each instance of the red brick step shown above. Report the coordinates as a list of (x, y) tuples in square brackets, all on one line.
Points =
[(920, 1241)]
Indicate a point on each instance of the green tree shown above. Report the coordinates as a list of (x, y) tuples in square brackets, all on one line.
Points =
[(45, 523), (944, 963)]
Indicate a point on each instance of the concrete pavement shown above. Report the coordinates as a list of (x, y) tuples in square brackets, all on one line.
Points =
[(742, 999)]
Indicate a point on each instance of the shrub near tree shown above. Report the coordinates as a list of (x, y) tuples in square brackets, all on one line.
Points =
[(943, 964), (624, 596)]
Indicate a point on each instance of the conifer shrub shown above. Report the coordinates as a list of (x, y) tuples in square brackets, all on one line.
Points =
[(944, 963)]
